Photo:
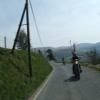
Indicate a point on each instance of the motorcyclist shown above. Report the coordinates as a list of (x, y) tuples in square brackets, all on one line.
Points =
[(63, 61), (74, 56), (76, 69), (76, 66)]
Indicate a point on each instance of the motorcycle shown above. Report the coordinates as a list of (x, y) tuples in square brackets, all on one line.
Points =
[(76, 69)]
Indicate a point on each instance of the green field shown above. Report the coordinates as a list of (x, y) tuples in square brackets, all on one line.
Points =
[(15, 82)]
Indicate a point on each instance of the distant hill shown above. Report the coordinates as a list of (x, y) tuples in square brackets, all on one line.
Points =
[(82, 48), (63, 51), (88, 46), (85, 46)]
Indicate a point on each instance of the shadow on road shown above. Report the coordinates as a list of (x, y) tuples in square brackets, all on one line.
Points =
[(71, 79)]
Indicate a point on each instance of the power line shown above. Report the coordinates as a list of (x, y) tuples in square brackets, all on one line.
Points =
[(35, 23)]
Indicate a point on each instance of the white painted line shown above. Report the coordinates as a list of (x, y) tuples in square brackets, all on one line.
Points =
[(42, 86)]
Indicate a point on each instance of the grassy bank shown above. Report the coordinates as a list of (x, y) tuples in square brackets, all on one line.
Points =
[(14, 74)]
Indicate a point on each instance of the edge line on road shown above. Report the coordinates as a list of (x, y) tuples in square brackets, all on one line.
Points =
[(42, 86)]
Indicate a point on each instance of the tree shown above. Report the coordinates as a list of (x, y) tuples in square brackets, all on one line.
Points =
[(22, 42), (50, 55)]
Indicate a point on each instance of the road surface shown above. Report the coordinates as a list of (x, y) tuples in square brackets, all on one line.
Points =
[(58, 88)]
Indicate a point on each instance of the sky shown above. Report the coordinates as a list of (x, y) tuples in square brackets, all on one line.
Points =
[(59, 21)]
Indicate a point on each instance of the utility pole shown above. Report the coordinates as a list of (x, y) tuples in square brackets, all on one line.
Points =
[(28, 37), (20, 24), (5, 42), (26, 10), (74, 47), (71, 47)]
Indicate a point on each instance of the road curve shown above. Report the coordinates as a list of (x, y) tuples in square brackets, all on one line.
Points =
[(87, 88)]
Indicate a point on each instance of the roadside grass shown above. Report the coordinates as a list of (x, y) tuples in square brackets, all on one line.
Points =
[(15, 82), (89, 65)]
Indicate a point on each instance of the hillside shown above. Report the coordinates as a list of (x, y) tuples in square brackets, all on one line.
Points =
[(15, 83), (82, 48), (65, 52)]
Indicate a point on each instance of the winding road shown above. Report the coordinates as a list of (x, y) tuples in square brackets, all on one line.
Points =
[(58, 88)]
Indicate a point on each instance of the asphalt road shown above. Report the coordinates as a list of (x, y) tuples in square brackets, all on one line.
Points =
[(87, 88)]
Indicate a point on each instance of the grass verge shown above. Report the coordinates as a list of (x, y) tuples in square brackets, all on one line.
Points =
[(15, 83), (96, 67)]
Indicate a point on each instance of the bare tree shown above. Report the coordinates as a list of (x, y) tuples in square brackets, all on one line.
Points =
[(22, 40)]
